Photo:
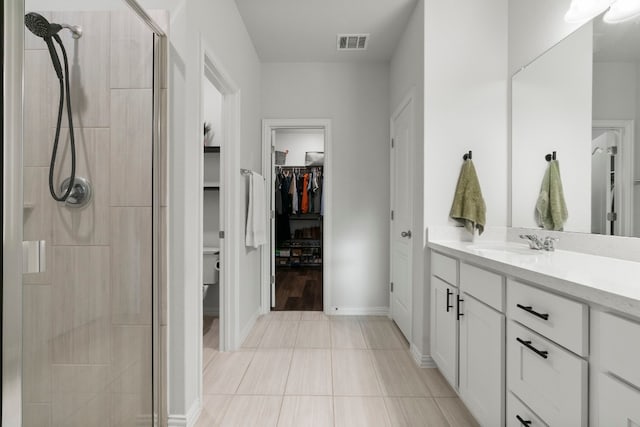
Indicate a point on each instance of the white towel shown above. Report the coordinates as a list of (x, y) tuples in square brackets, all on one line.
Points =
[(256, 234)]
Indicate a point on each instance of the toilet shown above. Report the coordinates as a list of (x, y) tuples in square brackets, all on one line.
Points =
[(210, 267)]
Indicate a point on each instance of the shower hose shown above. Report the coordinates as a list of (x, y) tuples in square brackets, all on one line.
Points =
[(64, 91)]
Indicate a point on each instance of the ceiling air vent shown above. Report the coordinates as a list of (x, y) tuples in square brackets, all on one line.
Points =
[(353, 41)]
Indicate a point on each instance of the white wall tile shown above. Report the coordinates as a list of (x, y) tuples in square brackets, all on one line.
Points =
[(89, 67), (131, 52), (88, 225), (40, 100), (81, 304), (131, 269), (37, 220), (36, 415), (36, 336), (131, 147)]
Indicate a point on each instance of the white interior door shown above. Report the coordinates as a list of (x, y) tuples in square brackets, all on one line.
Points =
[(402, 216)]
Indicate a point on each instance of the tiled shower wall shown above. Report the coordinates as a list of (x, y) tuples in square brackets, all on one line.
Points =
[(87, 325)]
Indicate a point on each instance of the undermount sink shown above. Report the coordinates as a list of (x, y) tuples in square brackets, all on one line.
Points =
[(504, 248)]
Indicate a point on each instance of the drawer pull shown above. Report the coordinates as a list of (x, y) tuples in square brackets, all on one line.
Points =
[(449, 306), (523, 422), (458, 307), (541, 353), (530, 310)]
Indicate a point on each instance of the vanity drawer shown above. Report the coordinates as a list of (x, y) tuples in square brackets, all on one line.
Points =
[(484, 285), (559, 319), (515, 409), (444, 267), (553, 383), (619, 346)]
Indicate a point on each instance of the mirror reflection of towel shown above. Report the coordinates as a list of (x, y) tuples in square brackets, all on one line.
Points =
[(551, 208), (468, 206), (256, 233)]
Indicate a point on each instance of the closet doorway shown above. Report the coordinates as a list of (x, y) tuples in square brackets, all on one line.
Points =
[(297, 161)]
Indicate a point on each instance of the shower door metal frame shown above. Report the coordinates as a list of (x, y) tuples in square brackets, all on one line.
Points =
[(12, 207), (12, 202)]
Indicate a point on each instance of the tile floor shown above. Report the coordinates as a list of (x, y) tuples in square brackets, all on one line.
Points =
[(306, 369)]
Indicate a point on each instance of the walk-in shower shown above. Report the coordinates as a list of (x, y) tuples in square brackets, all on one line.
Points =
[(81, 288), (78, 194)]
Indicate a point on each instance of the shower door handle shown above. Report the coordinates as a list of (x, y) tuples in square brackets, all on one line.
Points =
[(34, 256)]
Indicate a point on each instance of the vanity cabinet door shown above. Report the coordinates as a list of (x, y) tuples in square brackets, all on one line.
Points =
[(482, 368), (619, 403), (444, 329)]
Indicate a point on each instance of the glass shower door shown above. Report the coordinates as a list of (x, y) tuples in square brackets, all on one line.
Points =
[(87, 324)]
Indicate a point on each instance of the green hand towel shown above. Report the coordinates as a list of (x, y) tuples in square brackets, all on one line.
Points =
[(468, 206), (551, 209)]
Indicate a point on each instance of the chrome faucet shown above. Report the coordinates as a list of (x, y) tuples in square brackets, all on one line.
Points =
[(537, 243)]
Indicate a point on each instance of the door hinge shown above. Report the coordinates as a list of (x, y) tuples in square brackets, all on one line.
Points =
[(273, 148), (612, 216), (392, 213), (273, 279), (273, 214), (391, 286), (393, 142), (221, 234)]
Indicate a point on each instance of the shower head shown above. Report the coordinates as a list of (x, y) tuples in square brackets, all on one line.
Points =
[(39, 26)]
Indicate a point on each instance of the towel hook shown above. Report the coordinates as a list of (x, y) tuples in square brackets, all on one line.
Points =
[(467, 156), (550, 157)]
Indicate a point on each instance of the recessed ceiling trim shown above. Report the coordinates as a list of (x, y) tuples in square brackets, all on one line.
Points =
[(351, 42)]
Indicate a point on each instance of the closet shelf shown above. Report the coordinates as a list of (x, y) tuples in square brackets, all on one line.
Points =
[(307, 217), (210, 149), (211, 186)]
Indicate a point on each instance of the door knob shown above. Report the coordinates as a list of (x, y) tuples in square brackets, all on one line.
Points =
[(406, 234)]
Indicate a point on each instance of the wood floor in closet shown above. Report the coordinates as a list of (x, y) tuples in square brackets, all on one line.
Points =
[(299, 289)]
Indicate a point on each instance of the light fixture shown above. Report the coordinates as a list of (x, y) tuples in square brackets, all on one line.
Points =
[(582, 11), (622, 10)]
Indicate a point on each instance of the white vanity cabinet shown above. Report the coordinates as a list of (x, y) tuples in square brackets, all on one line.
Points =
[(542, 339), (444, 323), (467, 332), (615, 371)]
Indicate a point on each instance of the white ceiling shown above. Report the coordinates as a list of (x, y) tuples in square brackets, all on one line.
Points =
[(306, 30)]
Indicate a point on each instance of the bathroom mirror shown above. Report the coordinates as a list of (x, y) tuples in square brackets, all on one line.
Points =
[(581, 99)]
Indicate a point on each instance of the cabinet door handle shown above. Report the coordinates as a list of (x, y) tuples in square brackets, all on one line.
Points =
[(530, 310), (541, 353), (449, 293), (458, 307), (522, 421)]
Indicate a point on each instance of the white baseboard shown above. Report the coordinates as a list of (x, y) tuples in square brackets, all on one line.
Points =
[(357, 311), (248, 327), (422, 360), (188, 420)]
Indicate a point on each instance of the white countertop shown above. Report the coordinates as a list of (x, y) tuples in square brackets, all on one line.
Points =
[(607, 282)]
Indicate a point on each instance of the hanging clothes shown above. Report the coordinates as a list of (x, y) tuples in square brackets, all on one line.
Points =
[(304, 208), (317, 192), (293, 191)]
